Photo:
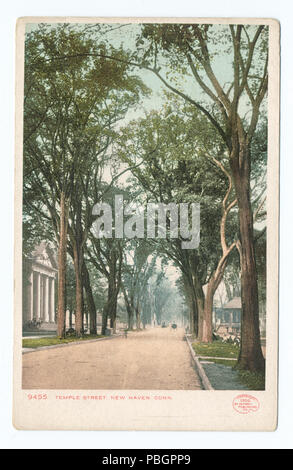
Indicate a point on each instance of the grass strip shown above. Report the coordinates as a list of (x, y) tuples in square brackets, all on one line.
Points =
[(252, 380), (54, 340), (216, 349)]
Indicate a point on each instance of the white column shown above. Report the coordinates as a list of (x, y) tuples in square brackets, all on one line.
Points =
[(46, 300), (52, 302), (30, 299), (231, 320), (49, 298), (38, 302), (42, 298)]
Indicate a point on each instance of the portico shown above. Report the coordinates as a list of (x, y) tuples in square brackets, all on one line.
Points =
[(40, 272)]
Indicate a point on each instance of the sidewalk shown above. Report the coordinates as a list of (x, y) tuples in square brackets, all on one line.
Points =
[(222, 377)]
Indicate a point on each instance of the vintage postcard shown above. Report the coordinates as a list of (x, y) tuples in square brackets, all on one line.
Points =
[(146, 224)]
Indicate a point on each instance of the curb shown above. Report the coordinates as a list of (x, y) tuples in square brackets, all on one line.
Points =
[(214, 357), (200, 370), (72, 343)]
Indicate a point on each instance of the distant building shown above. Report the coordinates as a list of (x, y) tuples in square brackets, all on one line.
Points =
[(39, 277), (228, 317)]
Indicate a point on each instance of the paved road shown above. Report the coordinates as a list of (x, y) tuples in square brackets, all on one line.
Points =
[(154, 359)]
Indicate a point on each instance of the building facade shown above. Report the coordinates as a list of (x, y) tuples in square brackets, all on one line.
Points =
[(228, 317), (39, 279)]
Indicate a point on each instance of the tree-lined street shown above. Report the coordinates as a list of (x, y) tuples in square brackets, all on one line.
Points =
[(145, 159)]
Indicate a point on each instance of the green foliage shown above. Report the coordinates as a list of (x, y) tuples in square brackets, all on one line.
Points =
[(216, 349), (40, 342), (174, 150), (73, 100), (253, 380)]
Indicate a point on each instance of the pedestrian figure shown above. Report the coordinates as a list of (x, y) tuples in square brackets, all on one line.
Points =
[(125, 333)]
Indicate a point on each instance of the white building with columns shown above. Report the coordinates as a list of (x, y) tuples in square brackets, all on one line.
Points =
[(39, 279)]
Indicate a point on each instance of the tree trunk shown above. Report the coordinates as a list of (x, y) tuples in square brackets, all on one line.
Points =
[(228, 290), (207, 324), (201, 312), (198, 299), (128, 309), (90, 300), (191, 300), (87, 319), (137, 315), (206, 333), (193, 316), (62, 267), (113, 311), (132, 310), (78, 290), (194, 312), (104, 319), (250, 357), (213, 284), (110, 308)]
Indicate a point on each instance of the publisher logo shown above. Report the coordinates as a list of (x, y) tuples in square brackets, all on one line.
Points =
[(245, 404)]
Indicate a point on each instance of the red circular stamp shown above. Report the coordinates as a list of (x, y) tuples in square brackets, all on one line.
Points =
[(245, 404)]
